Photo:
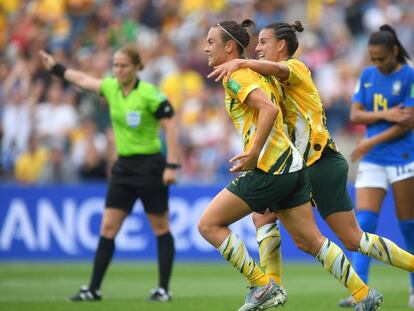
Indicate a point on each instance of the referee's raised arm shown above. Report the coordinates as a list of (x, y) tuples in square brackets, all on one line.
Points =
[(75, 77)]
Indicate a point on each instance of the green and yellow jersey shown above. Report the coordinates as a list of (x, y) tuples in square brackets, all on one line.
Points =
[(305, 117), (278, 155)]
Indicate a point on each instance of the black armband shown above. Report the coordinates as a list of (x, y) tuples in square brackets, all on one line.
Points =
[(165, 110), (59, 70), (172, 165)]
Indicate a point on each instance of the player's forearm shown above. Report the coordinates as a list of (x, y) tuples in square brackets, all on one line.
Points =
[(393, 132), (171, 137), (267, 68), (366, 117), (265, 122)]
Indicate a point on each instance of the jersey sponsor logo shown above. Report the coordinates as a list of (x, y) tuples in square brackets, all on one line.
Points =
[(233, 86), (133, 119), (396, 87), (367, 85)]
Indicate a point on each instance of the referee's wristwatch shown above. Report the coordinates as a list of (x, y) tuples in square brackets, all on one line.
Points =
[(173, 166)]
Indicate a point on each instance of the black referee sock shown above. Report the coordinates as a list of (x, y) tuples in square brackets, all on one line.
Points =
[(103, 258), (165, 258)]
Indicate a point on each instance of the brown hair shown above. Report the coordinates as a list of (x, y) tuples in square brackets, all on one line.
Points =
[(231, 30), (132, 52), (287, 32)]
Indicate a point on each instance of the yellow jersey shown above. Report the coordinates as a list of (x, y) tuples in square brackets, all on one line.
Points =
[(279, 155), (305, 117)]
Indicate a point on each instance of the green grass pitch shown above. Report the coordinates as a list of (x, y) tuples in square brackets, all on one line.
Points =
[(195, 286)]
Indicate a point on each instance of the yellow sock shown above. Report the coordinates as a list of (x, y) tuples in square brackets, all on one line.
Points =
[(234, 251), (387, 251), (268, 238), (335, 262)]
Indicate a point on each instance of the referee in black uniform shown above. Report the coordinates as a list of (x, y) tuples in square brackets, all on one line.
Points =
[(137, 110)]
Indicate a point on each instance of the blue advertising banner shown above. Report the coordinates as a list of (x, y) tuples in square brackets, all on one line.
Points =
[(62, 223)]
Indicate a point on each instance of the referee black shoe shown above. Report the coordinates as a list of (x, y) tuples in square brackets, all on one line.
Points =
[(159, 294), (85, 294)]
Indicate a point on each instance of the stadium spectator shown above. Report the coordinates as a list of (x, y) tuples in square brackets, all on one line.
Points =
[(275, 178), (20, 99), (383, 94), (327, 168), (30, 164), (89, 151), (56, 118), (58, 168), (137, 110), (170, 35)]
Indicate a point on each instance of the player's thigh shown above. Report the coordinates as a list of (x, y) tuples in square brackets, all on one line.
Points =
[(371, 186), (404, 198), (329, 177), (225, 209), (300, 223), (402, 180), (120, 199)]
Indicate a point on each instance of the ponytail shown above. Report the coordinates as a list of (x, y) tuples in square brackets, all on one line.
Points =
[(388, 37)]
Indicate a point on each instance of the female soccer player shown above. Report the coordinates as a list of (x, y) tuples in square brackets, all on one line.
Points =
[(137, 111), (385, 92), (274, 178), (328, 170)]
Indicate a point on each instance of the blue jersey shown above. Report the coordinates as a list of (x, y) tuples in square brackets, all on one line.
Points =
[(377, 92)]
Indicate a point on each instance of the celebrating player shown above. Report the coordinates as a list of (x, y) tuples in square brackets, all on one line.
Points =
[(274, 180), (328, 170)]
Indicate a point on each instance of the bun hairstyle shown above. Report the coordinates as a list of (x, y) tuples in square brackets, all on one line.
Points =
[(387, 37), (287, 32), (132, 52), (231, 30), (297, 26)]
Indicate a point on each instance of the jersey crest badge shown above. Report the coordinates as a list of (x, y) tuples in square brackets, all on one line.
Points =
[(396, 87)]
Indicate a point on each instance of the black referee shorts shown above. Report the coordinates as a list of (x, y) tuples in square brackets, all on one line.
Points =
[(138, 177)]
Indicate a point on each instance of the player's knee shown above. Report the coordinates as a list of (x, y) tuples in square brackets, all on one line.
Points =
[(203, 227), (310, 245), (304, 245), (109, 229)]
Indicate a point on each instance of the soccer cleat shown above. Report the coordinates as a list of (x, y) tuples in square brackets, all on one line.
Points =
[(258, 295), (371, 302), (348, 302), (411, 298), (85, 294), (159, 294), (278, 300)]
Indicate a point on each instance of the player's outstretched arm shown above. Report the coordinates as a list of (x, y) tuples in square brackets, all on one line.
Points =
[(75, 77), (264, 67)]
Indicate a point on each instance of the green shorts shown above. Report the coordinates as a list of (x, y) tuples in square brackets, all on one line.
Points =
[(261, 190), (328, 177)]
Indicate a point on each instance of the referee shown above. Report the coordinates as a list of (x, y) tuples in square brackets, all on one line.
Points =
[(137, 109)]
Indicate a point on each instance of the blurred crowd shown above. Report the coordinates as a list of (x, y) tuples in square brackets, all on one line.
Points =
[(53, 133)]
